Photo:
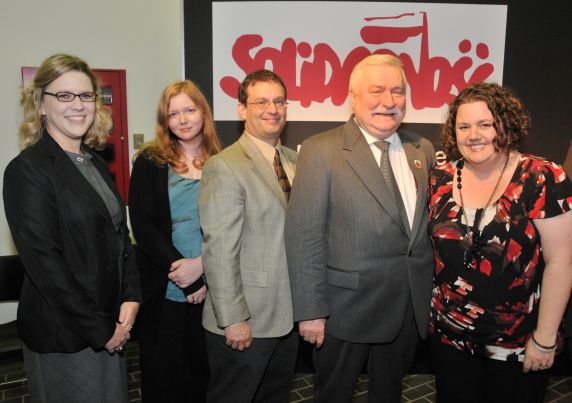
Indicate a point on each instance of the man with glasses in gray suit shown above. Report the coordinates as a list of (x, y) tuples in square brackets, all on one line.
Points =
[(251, 344)]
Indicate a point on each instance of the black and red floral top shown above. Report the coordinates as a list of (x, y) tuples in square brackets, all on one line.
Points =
[(491, 308)]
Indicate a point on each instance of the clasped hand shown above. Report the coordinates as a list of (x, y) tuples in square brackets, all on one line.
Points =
[(122, 334), (186, 271), (198, 296)]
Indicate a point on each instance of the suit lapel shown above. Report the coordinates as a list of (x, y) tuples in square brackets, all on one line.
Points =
[(418, 166), (71, 176), (292, 158), (262, 169), (359, 156), (101, 166)]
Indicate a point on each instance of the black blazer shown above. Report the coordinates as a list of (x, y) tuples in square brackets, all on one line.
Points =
[(150, 217), (78, 268)]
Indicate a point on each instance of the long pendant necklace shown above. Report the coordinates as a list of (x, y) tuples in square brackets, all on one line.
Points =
[(473, 237)]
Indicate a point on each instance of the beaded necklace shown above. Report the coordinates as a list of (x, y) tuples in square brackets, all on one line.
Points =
[(473, 237)]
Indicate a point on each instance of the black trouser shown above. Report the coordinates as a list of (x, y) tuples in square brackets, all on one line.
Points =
[(260, 373), (462, 377), (339, 363), (174, 366)]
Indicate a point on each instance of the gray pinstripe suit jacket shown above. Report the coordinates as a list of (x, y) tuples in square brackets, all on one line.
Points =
[(350, 258)]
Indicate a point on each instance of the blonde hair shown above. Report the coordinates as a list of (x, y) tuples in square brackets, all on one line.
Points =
[(166, 147), (33, 124), (376, 60)]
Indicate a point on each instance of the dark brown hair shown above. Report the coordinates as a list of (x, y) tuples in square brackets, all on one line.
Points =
[(255, 77), (511, 120)]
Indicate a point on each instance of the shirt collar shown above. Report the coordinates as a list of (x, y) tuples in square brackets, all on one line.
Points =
[(266, 149), (394, 139)]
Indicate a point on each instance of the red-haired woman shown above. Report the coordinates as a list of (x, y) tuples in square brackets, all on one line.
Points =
[(163, 207)]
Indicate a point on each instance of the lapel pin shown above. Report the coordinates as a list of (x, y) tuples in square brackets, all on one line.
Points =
[(417, 164)]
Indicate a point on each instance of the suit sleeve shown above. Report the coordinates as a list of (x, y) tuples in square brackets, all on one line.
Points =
[(145, 216), (221, 208), (131, 286), (33, 216), (306, 235)]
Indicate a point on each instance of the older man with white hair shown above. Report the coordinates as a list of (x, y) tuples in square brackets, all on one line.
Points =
[(359, 256)]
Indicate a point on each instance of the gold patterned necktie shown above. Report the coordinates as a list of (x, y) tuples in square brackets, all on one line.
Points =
[(281, 174), (389, 178)]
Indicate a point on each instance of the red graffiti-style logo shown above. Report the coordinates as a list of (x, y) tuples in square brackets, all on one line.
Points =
[(323, 75)]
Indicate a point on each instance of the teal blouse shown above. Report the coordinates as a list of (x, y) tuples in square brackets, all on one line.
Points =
[(186, 235)]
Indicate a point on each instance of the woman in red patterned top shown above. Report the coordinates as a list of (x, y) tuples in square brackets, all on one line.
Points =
[(501, 226)]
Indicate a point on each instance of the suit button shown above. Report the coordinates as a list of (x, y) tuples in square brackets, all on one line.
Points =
[(410, 253)]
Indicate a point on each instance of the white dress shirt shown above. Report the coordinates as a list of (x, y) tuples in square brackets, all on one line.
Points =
[(269, 151), (400, 167)]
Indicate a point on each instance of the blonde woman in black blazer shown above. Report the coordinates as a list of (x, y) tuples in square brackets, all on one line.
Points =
[(81, 289)]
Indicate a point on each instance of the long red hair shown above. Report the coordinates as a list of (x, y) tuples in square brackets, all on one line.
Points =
[(166, 148)]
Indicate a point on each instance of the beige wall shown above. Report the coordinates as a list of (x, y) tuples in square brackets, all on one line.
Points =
[(144, 37)]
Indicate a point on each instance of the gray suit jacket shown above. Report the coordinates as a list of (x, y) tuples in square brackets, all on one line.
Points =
[(350, 257), (242, 210)]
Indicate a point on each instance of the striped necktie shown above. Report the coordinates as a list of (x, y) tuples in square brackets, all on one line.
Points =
[(389, 178), (281, 174)]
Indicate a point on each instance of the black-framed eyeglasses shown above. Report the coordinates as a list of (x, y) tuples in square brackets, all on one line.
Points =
[(280, 103), (64, 96)]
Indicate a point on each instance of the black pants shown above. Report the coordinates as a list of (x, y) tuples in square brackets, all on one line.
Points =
[(462, 377), (174, 365), (260, 373), (339, 364)]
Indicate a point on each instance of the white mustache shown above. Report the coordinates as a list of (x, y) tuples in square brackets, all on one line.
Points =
[(393, 111)]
